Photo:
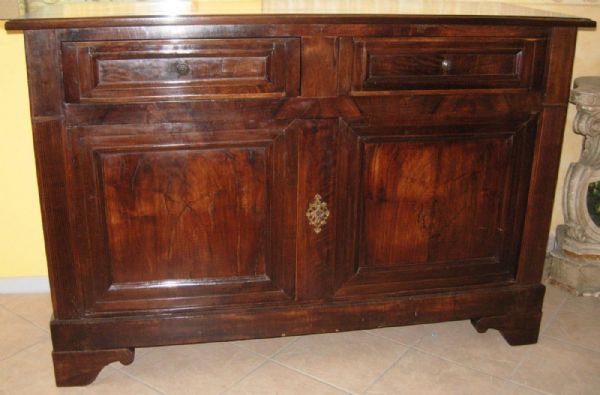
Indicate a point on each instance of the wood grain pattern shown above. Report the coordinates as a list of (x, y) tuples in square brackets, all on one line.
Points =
[(186, 214), (316, 176), (319, 21), (151, 69), (547, 154), (291, 320), (417, 195), (182, 216), (384, 64), (77, 368), (319, 66), (433, 206)]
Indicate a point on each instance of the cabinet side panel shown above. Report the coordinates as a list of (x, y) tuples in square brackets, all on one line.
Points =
[(547, 155), (43, 73), (49, 144)]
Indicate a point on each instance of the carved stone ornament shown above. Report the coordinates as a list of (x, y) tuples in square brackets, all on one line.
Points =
[(583, 234), (576, 259)]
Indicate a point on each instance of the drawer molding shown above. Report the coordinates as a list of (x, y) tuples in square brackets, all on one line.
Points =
[(402, 64), (144, 70)]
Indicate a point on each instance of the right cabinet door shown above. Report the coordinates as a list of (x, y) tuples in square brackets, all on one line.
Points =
[(430, 207)]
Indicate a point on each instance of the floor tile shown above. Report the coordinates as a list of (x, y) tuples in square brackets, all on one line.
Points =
[(348, 360), (516, 389), (578, 328), (17, 334), (266, 347), (31, 372), (421, 373), (446, 358), (560, 368), (548, 316), (193, 369), (275, 379), (460, 342), (582, 304), (408, 335), (112, 381), (35, 308), (554, 296)]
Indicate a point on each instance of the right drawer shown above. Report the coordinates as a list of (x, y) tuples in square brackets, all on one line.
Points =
[(395, 64)]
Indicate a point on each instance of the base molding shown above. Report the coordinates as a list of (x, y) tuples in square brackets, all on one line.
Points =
[(83, 346), (20, 285), (517, 329), (77, 368)]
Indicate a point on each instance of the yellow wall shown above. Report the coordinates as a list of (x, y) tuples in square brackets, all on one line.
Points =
[(21, 241)]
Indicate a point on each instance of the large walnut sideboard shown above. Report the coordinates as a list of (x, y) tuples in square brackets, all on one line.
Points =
[(211, 178)]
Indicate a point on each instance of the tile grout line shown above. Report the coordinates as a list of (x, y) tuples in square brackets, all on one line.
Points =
[(542, 331), (541, 391), (264, 355), (266, 360), (376, 380), (416, 348), (551, 320), (394, 340), (236, 343), (271, 359), (134, 378), (571, 344), (320, 380), (228, 387), (45, 330), (554, 315), (504, 381), (22, 350), (137, 379)]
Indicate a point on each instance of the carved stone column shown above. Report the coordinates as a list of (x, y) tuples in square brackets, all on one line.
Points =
[(575, 261)]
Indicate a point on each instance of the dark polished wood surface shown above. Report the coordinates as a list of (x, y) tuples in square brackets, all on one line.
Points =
[(254, 179), (194, 12)]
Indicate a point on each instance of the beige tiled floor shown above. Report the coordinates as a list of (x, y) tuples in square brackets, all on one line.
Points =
[(447, 358)]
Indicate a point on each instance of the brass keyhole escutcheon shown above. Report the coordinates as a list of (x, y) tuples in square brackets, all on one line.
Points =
[(317, 213)]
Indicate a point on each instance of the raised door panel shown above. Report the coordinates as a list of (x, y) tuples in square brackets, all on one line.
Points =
[(185, 213), (183, 218), (431, 207)]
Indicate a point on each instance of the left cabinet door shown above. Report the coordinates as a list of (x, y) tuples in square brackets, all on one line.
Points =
[(177, 216)]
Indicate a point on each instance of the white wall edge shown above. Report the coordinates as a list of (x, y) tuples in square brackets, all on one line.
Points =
[(21, 285)]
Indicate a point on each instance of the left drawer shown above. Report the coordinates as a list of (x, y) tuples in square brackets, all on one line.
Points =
[(148, 70)]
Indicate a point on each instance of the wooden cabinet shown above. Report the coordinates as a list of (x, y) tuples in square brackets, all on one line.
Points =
[(218, 178)]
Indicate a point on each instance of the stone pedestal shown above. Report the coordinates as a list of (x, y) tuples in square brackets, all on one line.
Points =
[(575, 261)]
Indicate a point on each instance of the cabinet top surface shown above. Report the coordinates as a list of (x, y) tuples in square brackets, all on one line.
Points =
[(113, 14)]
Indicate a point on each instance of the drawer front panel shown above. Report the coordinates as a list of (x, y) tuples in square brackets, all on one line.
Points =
[(171, 69), (389, 64)]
